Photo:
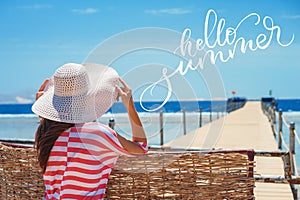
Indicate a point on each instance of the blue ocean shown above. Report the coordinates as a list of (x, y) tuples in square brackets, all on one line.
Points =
[(17, 122)]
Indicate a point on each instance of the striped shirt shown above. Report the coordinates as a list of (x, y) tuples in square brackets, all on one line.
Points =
[(81, 160)]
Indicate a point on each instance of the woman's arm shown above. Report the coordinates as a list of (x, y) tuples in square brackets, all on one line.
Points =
[(138, 133)]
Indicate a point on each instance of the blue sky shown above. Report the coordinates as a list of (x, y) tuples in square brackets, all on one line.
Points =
[(36, 37)]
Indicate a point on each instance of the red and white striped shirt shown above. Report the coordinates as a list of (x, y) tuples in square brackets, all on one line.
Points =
[(81, 160)]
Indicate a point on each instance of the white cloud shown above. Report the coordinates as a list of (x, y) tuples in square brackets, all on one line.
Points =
[(85, 11), (169, 11), (23, 100), (291, 16), (36, 6)]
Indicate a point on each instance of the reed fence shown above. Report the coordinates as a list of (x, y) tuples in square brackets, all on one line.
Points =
[(157, 175)]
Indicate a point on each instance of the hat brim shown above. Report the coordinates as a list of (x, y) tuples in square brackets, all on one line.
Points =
[(82, 108)]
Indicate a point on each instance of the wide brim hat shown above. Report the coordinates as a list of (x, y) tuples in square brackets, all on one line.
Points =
[(78, 93)]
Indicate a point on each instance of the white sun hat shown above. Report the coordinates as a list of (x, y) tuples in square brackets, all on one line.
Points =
[(78, 93)]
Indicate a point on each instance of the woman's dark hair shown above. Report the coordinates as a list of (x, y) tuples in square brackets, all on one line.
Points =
[(45, 137)]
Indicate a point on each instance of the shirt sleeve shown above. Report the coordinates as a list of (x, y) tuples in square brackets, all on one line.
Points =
[(115, 141), (107, 138), (143, 146), (98, 137)]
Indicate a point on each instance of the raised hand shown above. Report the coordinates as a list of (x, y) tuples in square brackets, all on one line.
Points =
[(125, 93), (41, 90)]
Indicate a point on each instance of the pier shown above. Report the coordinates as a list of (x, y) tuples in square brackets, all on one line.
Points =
[(247, 128)]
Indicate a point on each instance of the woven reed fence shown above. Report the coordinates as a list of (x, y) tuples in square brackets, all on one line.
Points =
[(21, 177), (159, 175), (183, 175)]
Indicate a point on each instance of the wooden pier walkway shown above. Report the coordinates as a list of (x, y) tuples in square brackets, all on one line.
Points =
[(246, 128)]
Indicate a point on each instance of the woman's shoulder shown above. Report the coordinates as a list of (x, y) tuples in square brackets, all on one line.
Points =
[(94, 127), (95, 132)]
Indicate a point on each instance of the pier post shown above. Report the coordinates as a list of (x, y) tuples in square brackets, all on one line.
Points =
[(184, 121), (273, 119), (161, 120), (111, 123), (292, 156), (280, 130), (274, 115), (292, 146), (200, 117), (210, 113)]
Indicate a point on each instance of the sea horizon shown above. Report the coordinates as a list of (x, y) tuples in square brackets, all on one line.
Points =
[(286, 105)]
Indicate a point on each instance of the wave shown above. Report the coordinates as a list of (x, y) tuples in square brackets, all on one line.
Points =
[(18, 116), (291, 114)]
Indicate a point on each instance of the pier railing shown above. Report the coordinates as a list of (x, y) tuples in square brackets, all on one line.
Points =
[(289, 157), (219, 111)]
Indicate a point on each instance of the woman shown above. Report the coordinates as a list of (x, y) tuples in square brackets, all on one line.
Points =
[(75, 152)]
